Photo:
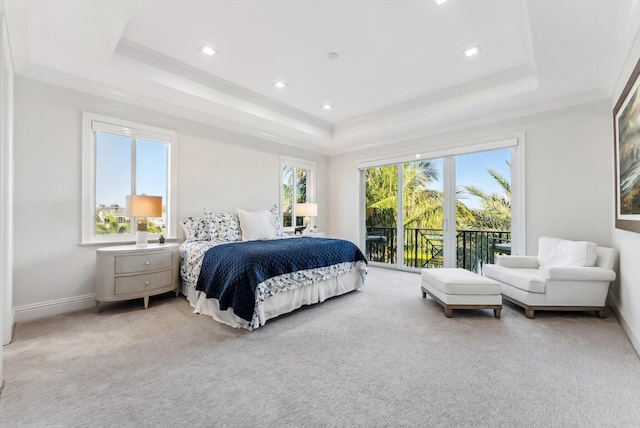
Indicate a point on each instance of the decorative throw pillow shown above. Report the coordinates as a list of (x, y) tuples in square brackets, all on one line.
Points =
[(276, 217), (257, 225), (196, 229), (562, 252), (224, 227)]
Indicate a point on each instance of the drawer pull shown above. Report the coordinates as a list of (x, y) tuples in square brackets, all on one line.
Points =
[(147, 262), (146, 283)]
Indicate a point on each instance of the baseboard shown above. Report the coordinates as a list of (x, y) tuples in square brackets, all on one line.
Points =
[(54, 307), (625, 322), (7, 327)]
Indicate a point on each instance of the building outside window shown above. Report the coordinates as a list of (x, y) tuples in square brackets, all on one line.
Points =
[(124, 158)]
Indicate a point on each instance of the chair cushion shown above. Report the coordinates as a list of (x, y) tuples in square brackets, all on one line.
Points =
[(524, 279), (458, 281), (561, 252)]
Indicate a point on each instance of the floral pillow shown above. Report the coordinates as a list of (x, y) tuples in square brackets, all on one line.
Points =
[(224, 227), (196, 229), (276, 216)]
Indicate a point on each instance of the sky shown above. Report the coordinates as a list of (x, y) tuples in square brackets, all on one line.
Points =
[(471, 169), (113, 169)]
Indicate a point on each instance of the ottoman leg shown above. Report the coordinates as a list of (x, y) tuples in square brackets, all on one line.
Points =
[(448, 312), (496, 312), (424, 295), (528, 313)]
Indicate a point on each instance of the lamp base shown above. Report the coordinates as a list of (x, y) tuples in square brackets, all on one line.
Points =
[(142, 239)]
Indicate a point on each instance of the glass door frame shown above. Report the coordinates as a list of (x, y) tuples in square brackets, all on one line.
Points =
[(518, 238)]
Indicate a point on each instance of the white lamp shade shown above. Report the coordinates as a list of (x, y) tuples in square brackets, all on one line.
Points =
[(307, 210), (144, 206)]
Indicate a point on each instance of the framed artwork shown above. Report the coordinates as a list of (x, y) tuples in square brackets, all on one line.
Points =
[(626, 130)]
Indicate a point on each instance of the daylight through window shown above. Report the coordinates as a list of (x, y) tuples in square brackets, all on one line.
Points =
[(123, 159), (297, 188)]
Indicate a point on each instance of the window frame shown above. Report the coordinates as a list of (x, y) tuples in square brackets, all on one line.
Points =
[(311, 186), (92, 123), (515, 141)]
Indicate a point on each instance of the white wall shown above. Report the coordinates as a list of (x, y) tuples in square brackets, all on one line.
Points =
[(218, 170), (6, 189), (626, 289), (568, 173)]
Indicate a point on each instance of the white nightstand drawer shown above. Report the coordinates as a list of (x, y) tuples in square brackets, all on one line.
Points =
[(136, 283), (125, 272), (144, 263)]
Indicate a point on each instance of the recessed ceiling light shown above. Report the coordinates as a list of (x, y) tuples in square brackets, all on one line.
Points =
[(327, 106), (439, 2), (279, 84), (333, 55), (207, 50), (472, 51)]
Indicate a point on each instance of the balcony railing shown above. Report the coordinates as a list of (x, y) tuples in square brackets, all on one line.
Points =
[(423, 248)]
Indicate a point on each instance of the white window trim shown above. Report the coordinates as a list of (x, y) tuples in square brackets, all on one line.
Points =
[(311, 184), (517, 143), (92, 122)]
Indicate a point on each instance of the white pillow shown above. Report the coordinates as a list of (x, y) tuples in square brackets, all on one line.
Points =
[(561, 252), (257, 225)]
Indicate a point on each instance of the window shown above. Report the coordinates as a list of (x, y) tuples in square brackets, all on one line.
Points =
[(452, 208), (298, 186), (124, 158)]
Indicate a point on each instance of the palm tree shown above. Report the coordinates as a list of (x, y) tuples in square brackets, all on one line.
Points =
[(421, 203), (495, 211)]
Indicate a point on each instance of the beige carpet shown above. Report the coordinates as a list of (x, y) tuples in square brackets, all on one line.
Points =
[(380, 357)]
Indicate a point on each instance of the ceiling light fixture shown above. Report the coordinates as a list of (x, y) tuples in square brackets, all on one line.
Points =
[(472, 51), (279, 84), (207, 50), (327, 106), (439, 2)]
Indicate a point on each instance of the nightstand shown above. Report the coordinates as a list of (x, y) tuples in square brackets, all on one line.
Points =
[(127, 272)]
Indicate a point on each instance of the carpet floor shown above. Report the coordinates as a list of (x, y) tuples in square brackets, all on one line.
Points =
[(375, 358)]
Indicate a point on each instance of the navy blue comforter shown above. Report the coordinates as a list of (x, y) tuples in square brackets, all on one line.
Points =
[(231, 272)]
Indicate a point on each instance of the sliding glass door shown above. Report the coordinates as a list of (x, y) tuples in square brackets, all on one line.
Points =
[(381, 213), (423, 214), (453, 211), (483, 207)]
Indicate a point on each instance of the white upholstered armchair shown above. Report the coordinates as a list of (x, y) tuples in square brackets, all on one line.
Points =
[(565, 275)]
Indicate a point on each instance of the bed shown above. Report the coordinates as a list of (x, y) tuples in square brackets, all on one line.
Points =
[(228, 272)]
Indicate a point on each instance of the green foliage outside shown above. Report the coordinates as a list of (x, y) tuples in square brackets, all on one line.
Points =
[(495, 211), (424, 214), (423, 206), (110, 225), (293, 177)]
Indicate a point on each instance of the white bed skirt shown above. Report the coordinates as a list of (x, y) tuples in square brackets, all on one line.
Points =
[(279, 304)]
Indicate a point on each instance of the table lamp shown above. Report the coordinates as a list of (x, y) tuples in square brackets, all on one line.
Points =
[(307, 210), (141, 207)]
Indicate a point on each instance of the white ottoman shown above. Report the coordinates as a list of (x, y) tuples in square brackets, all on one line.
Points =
[(461, 289)]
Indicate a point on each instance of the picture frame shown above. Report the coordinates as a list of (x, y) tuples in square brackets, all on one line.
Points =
[(626, 130)]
